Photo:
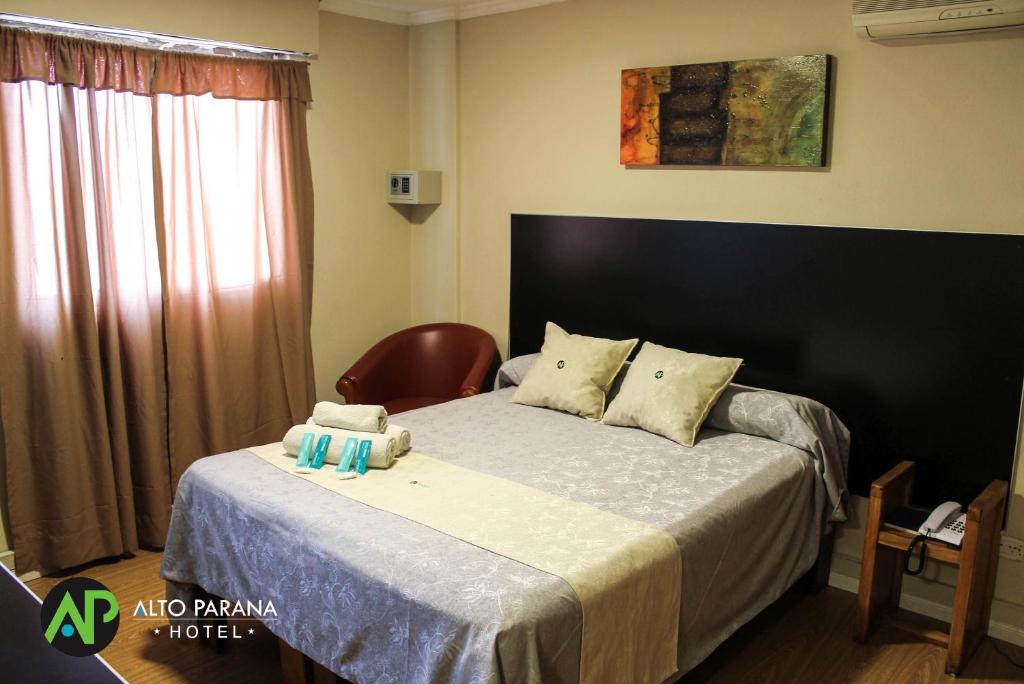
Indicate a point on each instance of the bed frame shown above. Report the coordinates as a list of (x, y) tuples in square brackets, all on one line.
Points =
[(914, 338)]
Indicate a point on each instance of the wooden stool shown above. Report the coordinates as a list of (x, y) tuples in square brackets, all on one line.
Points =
[(881, 575)]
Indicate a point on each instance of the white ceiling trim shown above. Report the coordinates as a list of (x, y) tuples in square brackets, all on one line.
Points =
[(381, 11), (365, 10), (434, 15), (485, 7)]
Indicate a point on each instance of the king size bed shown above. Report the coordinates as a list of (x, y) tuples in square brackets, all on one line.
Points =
[(376, 597)]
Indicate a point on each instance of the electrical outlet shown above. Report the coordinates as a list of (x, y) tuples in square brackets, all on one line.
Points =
[(1011, 548)]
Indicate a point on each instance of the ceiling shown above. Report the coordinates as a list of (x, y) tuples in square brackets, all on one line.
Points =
[(426, 11)]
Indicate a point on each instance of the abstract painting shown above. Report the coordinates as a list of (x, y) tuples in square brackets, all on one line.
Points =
[(755, 112)]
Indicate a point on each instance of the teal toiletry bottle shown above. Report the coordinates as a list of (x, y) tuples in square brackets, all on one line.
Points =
[(304, 450), (348, 453)]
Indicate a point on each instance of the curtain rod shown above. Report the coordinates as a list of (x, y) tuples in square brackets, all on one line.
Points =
[(153, 41)]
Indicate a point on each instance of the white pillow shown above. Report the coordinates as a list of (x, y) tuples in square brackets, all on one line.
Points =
[(670, 392), (573, 372)]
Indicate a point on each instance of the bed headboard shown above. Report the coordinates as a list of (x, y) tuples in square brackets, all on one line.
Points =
[(914, 338)]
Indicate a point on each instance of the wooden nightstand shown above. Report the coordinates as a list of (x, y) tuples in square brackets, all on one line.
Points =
[(881, 575)]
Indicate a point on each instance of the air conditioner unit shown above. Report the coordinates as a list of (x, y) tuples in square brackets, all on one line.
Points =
[(886, 19)]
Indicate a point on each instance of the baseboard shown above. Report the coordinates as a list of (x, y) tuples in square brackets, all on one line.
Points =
[(997, 630), (850, 584), (7, 558)]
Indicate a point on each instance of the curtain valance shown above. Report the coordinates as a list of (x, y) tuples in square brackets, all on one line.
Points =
[(27, 55)]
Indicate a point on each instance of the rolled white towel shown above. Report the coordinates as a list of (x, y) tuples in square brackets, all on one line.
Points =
[(382, 455), (359, 417), (402, 437)]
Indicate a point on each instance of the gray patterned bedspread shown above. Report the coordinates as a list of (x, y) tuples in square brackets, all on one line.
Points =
[(378, 598)]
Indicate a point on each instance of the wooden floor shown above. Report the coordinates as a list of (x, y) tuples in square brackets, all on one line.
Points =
[(801, 638)]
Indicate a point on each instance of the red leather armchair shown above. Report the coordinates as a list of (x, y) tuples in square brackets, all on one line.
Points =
[(420, 366)]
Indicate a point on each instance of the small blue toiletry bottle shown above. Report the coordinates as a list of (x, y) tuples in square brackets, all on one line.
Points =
[(304, 450), (348, 453), (321, 451), (365, 447)]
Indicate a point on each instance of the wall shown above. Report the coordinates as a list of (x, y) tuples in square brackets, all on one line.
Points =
[(358, 130), (925, 136), (433, 144)]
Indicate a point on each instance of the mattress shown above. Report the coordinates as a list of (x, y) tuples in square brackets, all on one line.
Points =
[(376, 598)]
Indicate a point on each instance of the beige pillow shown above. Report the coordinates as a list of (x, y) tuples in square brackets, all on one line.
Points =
[(573, 372), (670, 392)]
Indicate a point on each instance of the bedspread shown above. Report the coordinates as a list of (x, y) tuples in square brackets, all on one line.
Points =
[(376, 597)]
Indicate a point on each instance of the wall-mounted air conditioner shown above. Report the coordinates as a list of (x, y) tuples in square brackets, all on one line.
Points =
[(886, 19)]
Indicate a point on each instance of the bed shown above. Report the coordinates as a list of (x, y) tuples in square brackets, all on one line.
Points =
[(375, 597)]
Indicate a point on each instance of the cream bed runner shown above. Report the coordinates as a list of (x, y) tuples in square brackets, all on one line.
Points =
[(627, 574)]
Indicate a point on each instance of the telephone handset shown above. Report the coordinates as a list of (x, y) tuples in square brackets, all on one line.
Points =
[(945, 523)]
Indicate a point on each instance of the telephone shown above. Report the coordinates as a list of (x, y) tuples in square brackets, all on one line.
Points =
[(945, 523)]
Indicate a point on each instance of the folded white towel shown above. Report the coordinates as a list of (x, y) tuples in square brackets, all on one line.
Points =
[(382, 455), (359, 417), (402, 437)]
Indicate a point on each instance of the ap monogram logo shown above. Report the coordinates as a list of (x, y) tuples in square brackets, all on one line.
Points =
[(80, 617)]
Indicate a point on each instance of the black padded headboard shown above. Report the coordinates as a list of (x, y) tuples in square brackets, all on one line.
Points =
[(914, 338)]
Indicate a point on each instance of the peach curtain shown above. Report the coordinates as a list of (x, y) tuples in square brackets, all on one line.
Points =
[(155, 280), (237, 300)]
